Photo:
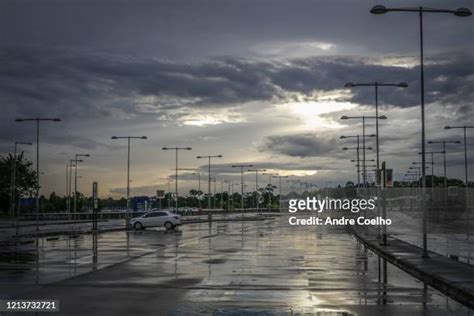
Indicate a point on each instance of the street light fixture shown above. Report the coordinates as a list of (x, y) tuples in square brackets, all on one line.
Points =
[(242, 166), (176, 149), (37, 120), (270, 175), (380, 9), (257, 204), (461, 12), (464, 128), (376, 85), (280, 188), (75, 180), (364, 117), (466, 175), (444, 142), (72, 164), (358, 154), (209, 173), (128, 138), (432, 163)]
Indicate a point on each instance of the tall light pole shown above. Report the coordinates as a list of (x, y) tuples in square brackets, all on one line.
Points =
[(461, 12), (418, 170), (222, 194), (199, 185), (169, 179), (257, 204), (363, 118), (242, 166), (444, 142), (358, 154), (13, 181), (359, 160), (128, 138), (280, 188), (376, 85), (176, 149), (214, 180), (464, 128), (209, 157), (72, 164), (193, 174), (229, 184), (37, 120), (432, 163), (466, 175), (199, 179), (270, 175), (75, 181)]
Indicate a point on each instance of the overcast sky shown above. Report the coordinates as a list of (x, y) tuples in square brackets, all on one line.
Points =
[(259, 82)]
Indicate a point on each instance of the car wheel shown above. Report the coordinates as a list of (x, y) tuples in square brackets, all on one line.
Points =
[(138, 226), (169, 225)]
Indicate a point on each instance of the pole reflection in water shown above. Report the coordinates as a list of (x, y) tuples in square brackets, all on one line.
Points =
[(176, 239), (95, 253), (37, 260), (242, 247), (209, 249), (127, 234), (385, 281)]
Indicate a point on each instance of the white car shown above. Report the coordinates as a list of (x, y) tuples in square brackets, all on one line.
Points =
[(167, 219)]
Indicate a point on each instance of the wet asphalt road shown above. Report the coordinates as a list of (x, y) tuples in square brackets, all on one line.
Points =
[(219, 268)]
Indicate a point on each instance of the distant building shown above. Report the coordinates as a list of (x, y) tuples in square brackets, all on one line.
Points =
[(140, 203)]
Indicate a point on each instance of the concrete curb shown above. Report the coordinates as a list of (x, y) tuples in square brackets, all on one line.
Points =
[(433, 273)]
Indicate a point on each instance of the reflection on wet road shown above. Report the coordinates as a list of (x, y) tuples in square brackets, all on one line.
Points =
[(220, 268)]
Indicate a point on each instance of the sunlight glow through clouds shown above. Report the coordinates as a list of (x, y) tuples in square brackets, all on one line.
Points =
[(294, 173), (211, 119), (309, 112)]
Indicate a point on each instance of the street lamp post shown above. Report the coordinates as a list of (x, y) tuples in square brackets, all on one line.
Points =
[(432, 163), (229, 184), (13, 182), (72, 164), (128, 138), (418, 170), (461, 12), (466, 175), (376, 85), (75, 181), (444, 142), (199, 179), (199, 185), (280, 188), (359, 160), (209, 157), (358, 154), (257, 204), (242, 166), (176, 149), (214, 180), (464, 128), (38, 120), (270, 175), (364, 117)]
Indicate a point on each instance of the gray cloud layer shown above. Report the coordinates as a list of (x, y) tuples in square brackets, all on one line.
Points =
[(90, 84)]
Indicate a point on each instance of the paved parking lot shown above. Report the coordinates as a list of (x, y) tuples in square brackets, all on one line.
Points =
[(216, 268)]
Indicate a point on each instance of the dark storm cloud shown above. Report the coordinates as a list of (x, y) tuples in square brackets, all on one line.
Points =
[(92, 84), (300, 145), (195, 30)]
